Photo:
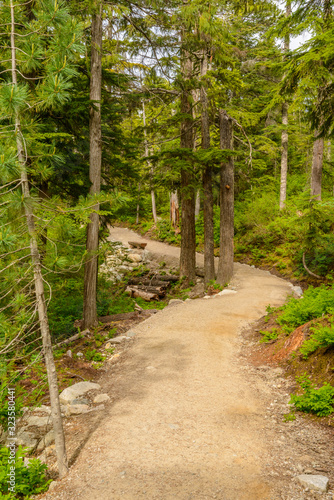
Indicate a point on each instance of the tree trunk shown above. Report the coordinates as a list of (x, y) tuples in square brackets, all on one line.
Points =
[(209, 262), (95, 159), (39, 283), (285, 121), (317, 161), (138, 204), (225, 267), (284, 157), (154, 210), (197, 204), (174, 209), (188, 235)]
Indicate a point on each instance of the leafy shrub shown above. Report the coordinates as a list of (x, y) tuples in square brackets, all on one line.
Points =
[(268, 335), (93, 355), (314, 303), (318, 401), (322, 336), (29, 480)]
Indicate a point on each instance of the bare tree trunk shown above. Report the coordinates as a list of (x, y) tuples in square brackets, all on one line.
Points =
[(95, 160), (138, 206), (285, 121), (39, 284), (154, 209), (188, 235), (316, 172), (284, 157), (174, 209), (226, 254), (197, 204), (209, 262)]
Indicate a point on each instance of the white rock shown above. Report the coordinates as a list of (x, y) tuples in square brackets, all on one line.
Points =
[(79, 354), (101, 398), (76, 390), (40, 422), (117, 340), (175, 301), (314, 482), (135, 257), (227, 292), (69, 353), (26, 439), (43, 409), (77, 409), (46, 440)]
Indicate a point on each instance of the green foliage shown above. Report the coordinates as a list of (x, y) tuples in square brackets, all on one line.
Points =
[(322, 336), (268, 335), (314, 303), (29, 480), (213, 285), (112, 333), (289, 417), (312, 400), (93, 355)]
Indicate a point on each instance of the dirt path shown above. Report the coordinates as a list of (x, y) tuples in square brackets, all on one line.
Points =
[(191, 421)]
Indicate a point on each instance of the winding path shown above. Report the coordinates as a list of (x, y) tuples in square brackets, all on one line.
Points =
[(191, 420)]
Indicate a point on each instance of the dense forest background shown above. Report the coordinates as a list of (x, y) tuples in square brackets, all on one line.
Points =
[(192, 120)]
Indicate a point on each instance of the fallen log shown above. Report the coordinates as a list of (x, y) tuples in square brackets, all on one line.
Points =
[(72, 339), (137, 244), (135, 292), (161, 291), (148, 282), (166, 277)]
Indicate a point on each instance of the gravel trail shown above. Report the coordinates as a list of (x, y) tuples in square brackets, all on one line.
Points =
[(192, 418)]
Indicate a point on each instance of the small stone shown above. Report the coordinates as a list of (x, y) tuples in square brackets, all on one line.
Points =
[(70, 393), (80, 401), (101, 398), (117, 340), (79, 354), (131, 334), (314, 482), (69, 353), (77, 409), (107, 346), (227, 292), (173, 302), (135, 257)]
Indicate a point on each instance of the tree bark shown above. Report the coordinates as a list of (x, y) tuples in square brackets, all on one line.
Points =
[(317, 161), (174, 209), (38, 281), (285, 122), (95, 160), (188, 235), (154, 209), (197, 204), (226, 253), (209, 262)]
